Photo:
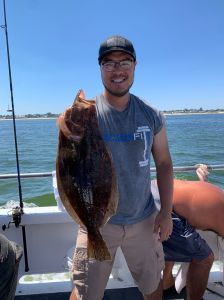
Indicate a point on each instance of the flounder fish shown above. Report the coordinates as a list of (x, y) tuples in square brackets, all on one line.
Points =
[(201, 203), (85, 174)]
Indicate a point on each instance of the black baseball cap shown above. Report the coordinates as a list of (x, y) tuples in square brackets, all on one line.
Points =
[(116, 43)]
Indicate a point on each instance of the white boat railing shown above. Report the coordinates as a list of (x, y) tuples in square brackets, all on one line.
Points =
[(180, 169)]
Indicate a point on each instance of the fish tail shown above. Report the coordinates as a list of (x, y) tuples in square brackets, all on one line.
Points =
[(97, 248)]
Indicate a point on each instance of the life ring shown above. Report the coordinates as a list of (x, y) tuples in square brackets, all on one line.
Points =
[(201, 203)]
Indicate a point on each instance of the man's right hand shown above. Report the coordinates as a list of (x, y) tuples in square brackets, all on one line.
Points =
[(61, 124)]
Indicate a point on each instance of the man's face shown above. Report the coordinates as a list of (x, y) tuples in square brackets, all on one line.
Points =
[(117, 72)]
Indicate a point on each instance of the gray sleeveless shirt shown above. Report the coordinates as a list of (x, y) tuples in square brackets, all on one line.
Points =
[(129, 137)]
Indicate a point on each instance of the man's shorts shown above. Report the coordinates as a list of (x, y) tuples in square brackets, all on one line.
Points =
[(142, 251), (10, 255), (185, 243)]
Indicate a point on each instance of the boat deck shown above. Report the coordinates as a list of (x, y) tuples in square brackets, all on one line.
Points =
[(115, 294), (125, 294)]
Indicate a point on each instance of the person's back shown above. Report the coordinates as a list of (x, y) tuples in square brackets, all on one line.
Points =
[(201, 203)]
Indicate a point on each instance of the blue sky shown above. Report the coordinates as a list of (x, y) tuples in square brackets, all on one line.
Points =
[(54, 47)]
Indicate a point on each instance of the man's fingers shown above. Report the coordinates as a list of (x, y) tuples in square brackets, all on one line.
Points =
[(62, 125)]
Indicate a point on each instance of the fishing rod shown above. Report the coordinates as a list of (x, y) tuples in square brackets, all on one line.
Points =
[(17, 211)]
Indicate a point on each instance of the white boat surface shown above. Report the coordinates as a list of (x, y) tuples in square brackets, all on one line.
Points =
[(50, 239)]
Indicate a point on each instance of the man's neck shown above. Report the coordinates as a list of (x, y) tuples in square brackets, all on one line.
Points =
[(119, 103)]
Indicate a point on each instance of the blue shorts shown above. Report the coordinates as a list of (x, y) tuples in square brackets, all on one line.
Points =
[(185, 243)]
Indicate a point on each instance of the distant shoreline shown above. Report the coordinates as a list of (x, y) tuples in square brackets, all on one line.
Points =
[(18, 119), (193, 113), (165, 113)]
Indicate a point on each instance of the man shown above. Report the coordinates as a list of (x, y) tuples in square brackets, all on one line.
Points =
[(10, 255), (186, 245), (132, 130)]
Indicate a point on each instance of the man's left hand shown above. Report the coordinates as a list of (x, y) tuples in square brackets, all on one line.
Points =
[(163, 225)]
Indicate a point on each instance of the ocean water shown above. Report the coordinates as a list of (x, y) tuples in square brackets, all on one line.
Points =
[(192, 139)]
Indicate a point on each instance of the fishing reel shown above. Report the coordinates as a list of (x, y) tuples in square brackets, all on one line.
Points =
[(16, 214)]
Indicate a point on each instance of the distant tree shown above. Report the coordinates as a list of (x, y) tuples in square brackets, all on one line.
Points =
[(29, 116), (50, 115)]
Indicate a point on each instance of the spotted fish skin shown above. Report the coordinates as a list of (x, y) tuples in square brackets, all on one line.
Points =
[(85, 174)]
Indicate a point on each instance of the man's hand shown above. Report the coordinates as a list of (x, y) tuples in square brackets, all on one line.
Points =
[(66, 117), (163, 226), (62, 125)]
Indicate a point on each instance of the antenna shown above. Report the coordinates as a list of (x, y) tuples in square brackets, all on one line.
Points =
[(9, 109)]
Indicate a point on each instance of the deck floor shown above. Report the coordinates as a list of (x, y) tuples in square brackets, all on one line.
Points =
[(114, 294)]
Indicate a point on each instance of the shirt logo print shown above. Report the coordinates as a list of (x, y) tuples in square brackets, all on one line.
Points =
[(142, 133)]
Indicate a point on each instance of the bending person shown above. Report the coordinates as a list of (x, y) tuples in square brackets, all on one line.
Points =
[(186, 245)]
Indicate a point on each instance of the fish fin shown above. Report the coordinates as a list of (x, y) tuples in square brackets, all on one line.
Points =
[(97, 247), (81, 94)]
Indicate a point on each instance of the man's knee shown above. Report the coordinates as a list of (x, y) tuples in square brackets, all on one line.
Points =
[(206, 262)]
